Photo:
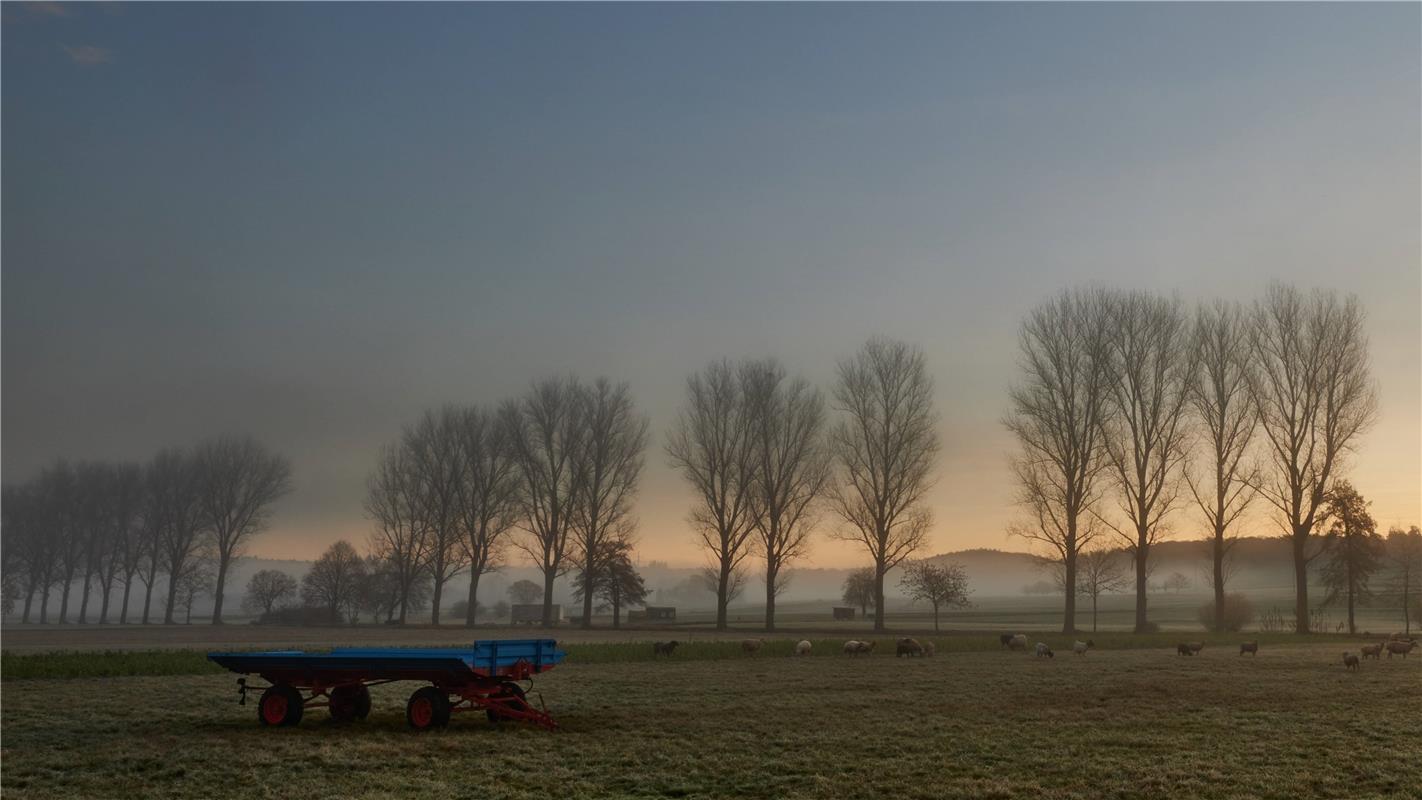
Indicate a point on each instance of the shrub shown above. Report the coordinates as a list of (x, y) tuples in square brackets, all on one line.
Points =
[(1238, 612)]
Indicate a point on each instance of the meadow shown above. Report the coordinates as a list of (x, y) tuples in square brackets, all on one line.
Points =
[(1129, 719)]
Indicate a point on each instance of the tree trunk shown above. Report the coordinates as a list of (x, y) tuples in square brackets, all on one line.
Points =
[(879, 596), (1093, 612), (435, 600), (1219, 580), (1069, 602), (123, 610), (148, 596), (104, 602), (1352, 629), (935, 617), (1142, 557), (721, 602), (549, 575), (616, 610), (84, 599), (1300, 584), (222, 564), (588, 582), (172, 598), (64, 600), (769, 600), (469, 618), (29, 601), (44, 606)]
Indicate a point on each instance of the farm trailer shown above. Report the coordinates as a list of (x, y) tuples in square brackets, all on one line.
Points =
[(485, 677)]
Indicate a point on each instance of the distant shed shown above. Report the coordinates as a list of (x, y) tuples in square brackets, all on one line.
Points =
[(844, 612), (532, 613), (653, 614)]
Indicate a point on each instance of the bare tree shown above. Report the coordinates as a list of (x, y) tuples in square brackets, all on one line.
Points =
[(858, 589), (547, 429), (710, 446), (238, 480), (939, 584), (1056, 416), (1226, 416), (148, 544), (791, 467), (1315, 397), (27, 539), (1145, 426), (437, 464), (334, 582), (197, 579), (91, 525), (173, 479), (59, 489), (488, 499), (125, 503), (711, 579), (608, 466), (267, 589), (1404, 555), (885, 448), (1101, 573), (524, 592), (395, 503)]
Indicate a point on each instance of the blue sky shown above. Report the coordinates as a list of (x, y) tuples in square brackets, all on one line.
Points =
[(313, 221)]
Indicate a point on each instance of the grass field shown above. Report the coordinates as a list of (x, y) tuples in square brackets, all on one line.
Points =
[(973, 721)]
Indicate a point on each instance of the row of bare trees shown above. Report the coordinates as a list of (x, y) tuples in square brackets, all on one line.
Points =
[(1131, 409), (182, 517), (765, 462), (552, 473)]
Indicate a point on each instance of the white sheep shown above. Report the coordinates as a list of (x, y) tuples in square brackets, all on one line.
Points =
[(1081, 647), (1044, 650), (803, 648), (1018, 642), (752, 645)]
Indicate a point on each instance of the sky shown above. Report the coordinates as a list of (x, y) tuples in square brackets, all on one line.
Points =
[(312, 222)]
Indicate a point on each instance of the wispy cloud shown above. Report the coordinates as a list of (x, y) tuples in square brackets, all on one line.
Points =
[(87, 54), (44, 9)]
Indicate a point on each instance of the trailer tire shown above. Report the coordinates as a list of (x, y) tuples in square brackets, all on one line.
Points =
[(518, 701), (281, 705), (350, 703), (428, 708)]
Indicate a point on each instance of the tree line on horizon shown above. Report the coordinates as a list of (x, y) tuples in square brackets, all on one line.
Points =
[(182, 517), (1129, 410)]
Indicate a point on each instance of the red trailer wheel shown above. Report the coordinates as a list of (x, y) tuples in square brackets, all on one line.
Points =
[(428, 708), (350, 703), (280, 705)]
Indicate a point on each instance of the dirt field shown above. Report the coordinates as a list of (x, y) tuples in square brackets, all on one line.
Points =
[(1290, 723)]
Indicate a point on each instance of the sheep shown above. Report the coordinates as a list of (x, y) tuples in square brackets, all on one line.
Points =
[(854, 647), (1183, 649), (664, 648), (1081, 647), (1373, 650), (803, 648), (1005, 639), (1044, 650), (751, 646), (1018, 642), (1350, 661), (1401, 648), (908, 647), (1195, 647), (1249, 647), (929, 649)]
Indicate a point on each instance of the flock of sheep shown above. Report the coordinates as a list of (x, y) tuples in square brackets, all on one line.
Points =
[(1397, 644)]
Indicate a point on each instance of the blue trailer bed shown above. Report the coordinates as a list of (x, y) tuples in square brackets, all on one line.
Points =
[(484, 676)]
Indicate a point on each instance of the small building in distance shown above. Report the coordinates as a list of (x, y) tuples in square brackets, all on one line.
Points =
[(844, 612), (532, 614), (652, 614)]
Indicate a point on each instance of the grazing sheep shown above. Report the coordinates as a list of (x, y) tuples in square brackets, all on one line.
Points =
[(1350, 661), (1044, 650), (1195, 647), (803, 648), (855, 647), (1401, 648), (1018, 642), (1081, 647), (664, 648), (929, 649), (1249, 647), (1183, 649), (1374, 650), (908, 647), (751, 645), (1006, 639)]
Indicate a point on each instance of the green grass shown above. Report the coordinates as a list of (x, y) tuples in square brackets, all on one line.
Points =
[(114, 664), (1123, 723)]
